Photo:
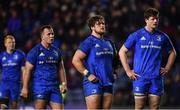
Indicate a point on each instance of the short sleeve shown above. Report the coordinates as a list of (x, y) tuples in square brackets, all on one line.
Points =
[(0, 59), (32, 56), (59, 54), (85, 46), (131, 40), (23, 59), (168, 46)]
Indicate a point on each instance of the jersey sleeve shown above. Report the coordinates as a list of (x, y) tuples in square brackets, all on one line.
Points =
[(85, 46), (168, 46), (0, 59), (23, 59), (32, 56), (131, 40), (60, 55)]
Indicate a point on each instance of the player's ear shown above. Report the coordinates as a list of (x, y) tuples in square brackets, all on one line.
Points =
[(146, 19), (92, 27)]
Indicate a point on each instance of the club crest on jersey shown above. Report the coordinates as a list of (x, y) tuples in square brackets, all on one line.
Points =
[(137, 89), (56, 53), (97, 45), (143, 38), (94, 91), (15, 57), (158, 38)]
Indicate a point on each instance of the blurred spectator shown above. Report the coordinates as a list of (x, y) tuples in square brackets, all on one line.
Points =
[(23, 18)]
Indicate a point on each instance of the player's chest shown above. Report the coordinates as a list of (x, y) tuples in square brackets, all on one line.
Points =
[(102, 49), (10, 60), (150, 42), (48, 56)]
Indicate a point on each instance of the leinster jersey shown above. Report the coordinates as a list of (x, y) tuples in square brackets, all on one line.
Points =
[(99, 58), (46, 64), (11, 64), (148, 51)]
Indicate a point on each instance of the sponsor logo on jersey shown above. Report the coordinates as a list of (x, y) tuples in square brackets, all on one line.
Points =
[(106, 49), (151, 45)]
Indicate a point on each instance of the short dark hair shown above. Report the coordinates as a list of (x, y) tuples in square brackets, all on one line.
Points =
[(151, 12), (92, 20), (45, 27)]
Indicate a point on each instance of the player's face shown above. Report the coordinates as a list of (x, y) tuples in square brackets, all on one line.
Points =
[(99, 27), (48, 36), (152, 22), (10, 44)]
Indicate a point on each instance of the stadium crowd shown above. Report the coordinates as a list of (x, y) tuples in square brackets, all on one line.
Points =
[(22, 18)]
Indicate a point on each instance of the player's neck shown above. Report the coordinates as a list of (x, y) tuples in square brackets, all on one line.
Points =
[(149, 29), (46, 45), (9, 51), (97, 35)]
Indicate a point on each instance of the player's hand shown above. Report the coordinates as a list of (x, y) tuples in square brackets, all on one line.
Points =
[(63, 88), (163, 71), (93, 78), (132, 75), (24, 93)]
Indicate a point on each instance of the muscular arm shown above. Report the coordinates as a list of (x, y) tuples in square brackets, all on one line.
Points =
[(22, 73), (78, 61), (26, 79), (62, 77), (124, 60), (62, 72), (171, 59), (123, 57), (170, 62)]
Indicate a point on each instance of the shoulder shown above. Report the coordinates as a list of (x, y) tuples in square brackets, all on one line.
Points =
[(137, 32), (89, 39), (2, 54), (163, 34), (36, 47), (20, 52), (35, 50), (56, 49)]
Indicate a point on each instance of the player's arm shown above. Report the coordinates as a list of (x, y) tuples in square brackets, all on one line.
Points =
[(124, 60), (62, 74), (170, 62), (26, 79), (22, 73), (78, 62)]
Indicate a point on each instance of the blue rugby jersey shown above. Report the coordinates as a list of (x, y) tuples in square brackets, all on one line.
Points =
[(46, 64), (11, 64), (99, 58), (148, 51)]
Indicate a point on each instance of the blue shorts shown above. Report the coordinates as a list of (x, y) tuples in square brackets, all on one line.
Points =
[(149, 86), (10, 90), (90, 88), (49, 93)]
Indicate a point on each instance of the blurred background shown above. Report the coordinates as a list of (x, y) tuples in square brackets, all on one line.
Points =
[(23, 18)]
